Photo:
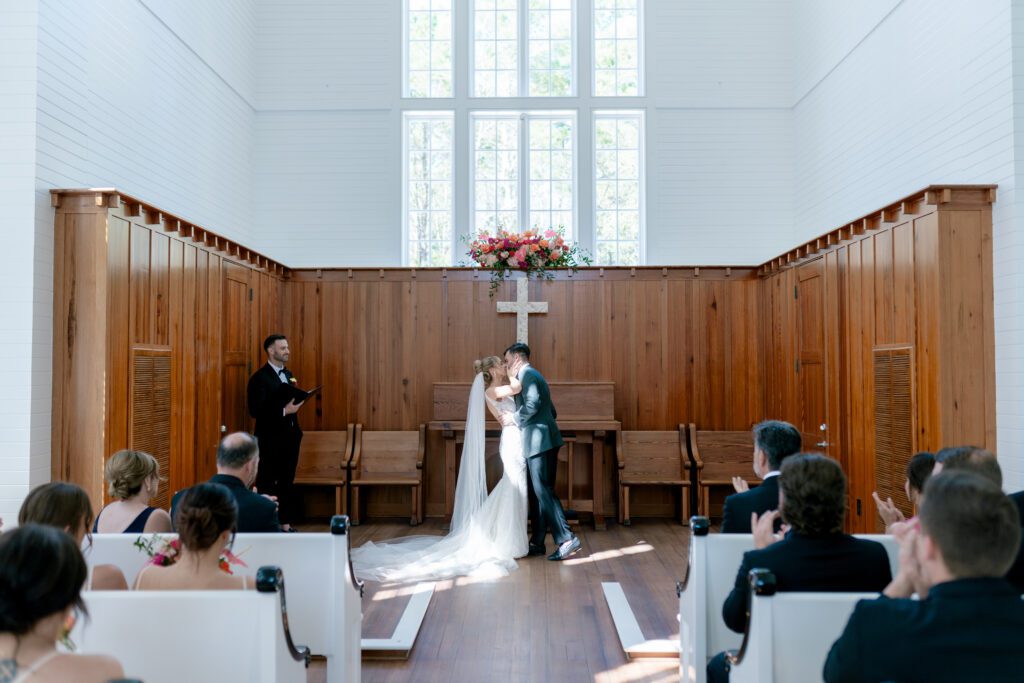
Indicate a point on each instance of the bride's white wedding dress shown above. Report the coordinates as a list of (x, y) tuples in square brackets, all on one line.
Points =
[(488, 532)]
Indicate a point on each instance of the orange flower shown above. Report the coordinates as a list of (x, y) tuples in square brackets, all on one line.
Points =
[(543, 243)]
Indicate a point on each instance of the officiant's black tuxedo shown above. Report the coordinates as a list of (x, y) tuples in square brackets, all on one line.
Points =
[(739, 506), (535, 416), (279, 437), (965, 630)]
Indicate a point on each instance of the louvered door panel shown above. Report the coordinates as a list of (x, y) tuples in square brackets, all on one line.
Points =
[(894, 422), (150, 412)]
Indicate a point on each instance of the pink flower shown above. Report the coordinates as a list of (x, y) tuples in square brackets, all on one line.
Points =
[(491, 259), (521, 254), (556, 254), (513, 263), (549, 233)]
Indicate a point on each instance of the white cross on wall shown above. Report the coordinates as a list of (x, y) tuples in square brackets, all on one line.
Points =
[(522, 307)]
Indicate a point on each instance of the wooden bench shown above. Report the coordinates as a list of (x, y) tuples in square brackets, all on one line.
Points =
[(196, 636), (324, 461), (648, 458), (382, 458), (719, 456), (789, 635), (325, 600), (712, 564)]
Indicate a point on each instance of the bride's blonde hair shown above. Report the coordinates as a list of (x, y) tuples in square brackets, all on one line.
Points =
[(484, 366)]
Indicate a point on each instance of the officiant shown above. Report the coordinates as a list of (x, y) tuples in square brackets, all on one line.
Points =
[(273, 404)]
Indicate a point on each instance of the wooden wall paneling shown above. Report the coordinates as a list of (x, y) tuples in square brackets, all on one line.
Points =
[(988, 367), (927, 288), (428, 325), (965, 346), (680, 355), (140, 282), (209, 374), (337, 356), (587, 305), (552, 333), (883, 302), (118, 332), (236, 347), (834, 313), (621, 302), (186, 401), (811, 362), (159, 291), (903, 299)]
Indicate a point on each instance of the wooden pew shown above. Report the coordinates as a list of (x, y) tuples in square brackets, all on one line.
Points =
[(324, 461), (196, 636), (789, 635), (653, 459), (382, 458), (718, 457), (325, 610), (712, 564), (586, 415)]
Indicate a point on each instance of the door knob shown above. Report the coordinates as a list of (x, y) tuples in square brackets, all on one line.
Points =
[(223, 429), (822, 444)]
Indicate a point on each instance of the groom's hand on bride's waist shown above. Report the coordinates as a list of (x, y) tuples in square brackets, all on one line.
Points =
[(507, 420)]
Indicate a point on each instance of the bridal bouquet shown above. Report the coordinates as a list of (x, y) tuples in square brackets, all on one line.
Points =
[(164, 553), (530, 252)]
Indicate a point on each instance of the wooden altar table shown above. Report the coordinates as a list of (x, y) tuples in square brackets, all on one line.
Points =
[(586, 414)]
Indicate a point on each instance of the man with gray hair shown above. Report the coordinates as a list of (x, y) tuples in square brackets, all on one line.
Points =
[(238, 460)]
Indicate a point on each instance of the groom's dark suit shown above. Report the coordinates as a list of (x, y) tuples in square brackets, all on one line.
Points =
[(535, 416)]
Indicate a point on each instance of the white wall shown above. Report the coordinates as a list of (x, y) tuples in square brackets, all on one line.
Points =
[(154, 97), (18, 27), (923, 94), (720, 148)]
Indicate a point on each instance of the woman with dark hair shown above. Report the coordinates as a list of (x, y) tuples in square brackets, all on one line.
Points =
[(41, 577), (206, 519), (133, 478), (68, 508)]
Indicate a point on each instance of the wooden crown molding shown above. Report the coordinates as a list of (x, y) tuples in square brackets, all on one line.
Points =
[(105, 198)]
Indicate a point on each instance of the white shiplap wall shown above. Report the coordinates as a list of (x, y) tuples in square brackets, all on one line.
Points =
[(18, 29), (926, 96), (151, 96), (719, 83)]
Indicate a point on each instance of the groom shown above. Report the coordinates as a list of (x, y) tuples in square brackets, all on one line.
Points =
[(535, 416)]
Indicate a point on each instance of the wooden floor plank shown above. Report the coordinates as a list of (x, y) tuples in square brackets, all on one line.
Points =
[(547, 621)]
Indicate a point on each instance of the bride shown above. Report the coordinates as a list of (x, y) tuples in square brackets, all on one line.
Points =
[(487, 531)]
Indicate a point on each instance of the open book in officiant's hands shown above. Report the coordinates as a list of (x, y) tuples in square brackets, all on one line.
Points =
[(290, 392)]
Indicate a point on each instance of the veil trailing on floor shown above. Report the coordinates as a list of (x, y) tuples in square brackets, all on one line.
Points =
[(473, 547)]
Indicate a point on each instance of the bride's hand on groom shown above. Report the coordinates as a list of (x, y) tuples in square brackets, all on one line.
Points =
[(507, 420)]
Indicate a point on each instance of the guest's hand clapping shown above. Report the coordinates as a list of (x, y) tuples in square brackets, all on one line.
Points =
[(909, 578), (740, 484), (888, 511), (764, 529)]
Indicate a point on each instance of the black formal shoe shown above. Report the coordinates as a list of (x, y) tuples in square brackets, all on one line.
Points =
[(536, 550), (566, 550)]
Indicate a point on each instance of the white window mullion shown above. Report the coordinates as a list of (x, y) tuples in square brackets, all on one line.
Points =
[(524, 172)]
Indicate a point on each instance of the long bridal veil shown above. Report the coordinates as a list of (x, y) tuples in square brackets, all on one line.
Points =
[(473, 546)]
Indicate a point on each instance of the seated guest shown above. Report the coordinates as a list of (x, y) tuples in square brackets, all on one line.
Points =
[(1016, 573), (774, 441), (133, 477), (205, 518), (919, 468), (968, 622), (815, 554), (970, 458), (41, 577), (67, 507), (238, 459)]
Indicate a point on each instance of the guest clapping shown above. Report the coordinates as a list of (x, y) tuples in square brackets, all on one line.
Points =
[(206, 519), (41, 577), (68, 508), (133, 478)]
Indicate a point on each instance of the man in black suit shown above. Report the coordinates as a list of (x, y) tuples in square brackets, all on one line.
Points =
[(238, 461), (967, 624), (774, 441), (277, 427), (814, 554), (1016, 573)]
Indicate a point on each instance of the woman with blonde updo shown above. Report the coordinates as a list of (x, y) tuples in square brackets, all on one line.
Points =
[(488, 529), (206, 519), (133, 478)]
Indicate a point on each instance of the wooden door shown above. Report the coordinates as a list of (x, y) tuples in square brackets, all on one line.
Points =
[(812, 358), (236, 312)]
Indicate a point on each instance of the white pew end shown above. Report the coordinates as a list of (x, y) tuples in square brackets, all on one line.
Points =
[(325, 604), (788, 635), (197, 636)]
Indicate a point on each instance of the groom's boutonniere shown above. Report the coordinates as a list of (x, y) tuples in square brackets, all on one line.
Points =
[(293, 380)]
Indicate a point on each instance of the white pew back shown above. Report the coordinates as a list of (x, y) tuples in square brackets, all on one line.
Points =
[(325, 600), (154, 635), (790, 635), (714, 560)]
